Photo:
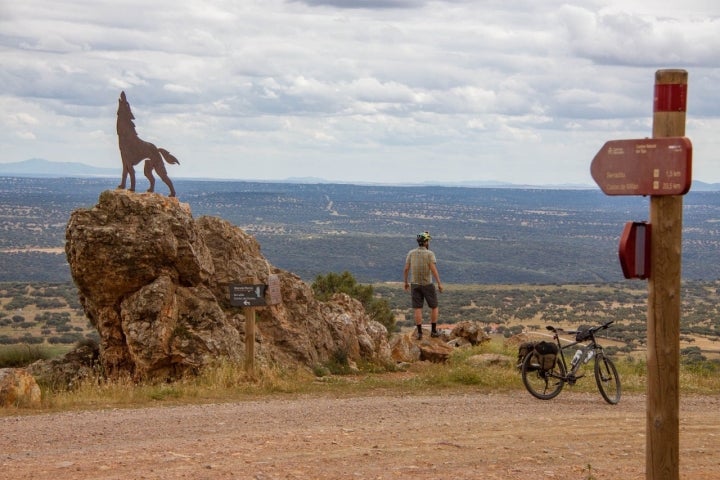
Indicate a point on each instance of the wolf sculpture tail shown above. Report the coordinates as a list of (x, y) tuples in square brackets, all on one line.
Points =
[(169, 158)]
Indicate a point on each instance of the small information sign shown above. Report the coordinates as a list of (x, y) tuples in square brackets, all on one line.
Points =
[(247, 295), (649, 166), (274, 295)]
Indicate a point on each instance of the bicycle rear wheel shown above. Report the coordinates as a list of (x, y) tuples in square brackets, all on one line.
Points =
[(607, 379), (542, 384)]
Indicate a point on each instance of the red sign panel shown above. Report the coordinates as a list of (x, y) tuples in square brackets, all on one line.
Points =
[(649, 166)]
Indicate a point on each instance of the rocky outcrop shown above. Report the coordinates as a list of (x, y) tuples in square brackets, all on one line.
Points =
[(154, 281), (18, 388), (68, 371), (470, 332), (407, 348), (516, 340)]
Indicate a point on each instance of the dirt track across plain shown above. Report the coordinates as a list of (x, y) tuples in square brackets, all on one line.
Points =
[(438, 436)]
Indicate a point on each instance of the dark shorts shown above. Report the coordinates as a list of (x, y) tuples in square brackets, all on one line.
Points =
[(422, 293)]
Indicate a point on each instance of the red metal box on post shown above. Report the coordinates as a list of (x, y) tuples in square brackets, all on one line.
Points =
[(634, 250)]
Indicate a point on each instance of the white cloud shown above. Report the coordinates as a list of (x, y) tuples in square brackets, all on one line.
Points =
[(355, 91), (641, 40)]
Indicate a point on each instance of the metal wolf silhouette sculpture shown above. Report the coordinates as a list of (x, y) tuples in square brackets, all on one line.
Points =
[(134, 150)]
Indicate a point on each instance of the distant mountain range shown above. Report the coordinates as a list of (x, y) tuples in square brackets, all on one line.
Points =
[(39, 167)]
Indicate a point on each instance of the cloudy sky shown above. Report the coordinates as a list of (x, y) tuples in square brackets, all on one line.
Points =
[(388, 91)]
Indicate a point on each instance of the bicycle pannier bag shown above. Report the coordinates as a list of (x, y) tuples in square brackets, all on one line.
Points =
[(547, 354), (523, 349)]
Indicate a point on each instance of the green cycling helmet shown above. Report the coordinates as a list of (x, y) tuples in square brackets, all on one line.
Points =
[(423, 237)]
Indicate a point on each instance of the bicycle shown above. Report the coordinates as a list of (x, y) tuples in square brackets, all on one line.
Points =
[(547, 383)]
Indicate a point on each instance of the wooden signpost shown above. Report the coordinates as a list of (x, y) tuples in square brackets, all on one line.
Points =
[(659, 167), (662, 454), (250, 295)]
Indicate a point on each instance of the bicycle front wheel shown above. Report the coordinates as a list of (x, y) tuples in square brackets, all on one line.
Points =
[(542, 384), (607, 379)]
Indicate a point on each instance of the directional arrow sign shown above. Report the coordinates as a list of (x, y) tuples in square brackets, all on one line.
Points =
[(648, 166)]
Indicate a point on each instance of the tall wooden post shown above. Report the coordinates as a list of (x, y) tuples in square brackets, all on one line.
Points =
[(250, 341), (250, 335), (663, 326)]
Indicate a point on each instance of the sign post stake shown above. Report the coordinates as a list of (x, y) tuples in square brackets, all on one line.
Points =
[(663, 316), (249, 296), (250, 335)]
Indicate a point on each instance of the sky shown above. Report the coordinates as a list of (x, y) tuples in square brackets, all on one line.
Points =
[(383, 91)]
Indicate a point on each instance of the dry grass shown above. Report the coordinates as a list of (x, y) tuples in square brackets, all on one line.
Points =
[(223, 381), (226, 381)]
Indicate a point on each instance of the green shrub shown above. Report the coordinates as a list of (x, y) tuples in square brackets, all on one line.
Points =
[(339, 364), (692, 355), (18, 356), (325, 286)]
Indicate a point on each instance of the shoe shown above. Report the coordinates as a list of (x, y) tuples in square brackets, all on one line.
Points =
[(435, 334), (418, 336)]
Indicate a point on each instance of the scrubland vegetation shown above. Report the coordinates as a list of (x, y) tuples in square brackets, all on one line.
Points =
[(52, 310), (507, 310)]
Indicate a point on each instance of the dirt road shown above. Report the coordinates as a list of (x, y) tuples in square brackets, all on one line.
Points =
[(439, 436)]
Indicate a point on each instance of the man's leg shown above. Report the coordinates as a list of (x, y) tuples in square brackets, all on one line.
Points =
[(434, 314), (418, 321), (432, 301)]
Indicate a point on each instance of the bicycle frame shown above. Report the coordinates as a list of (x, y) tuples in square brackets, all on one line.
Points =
[(570, 376), (546, 383)]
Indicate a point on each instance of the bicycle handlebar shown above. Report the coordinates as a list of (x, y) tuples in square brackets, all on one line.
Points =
[(571, 332), (602, 327)]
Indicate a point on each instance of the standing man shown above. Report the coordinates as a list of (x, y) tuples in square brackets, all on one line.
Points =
[(421, 261)]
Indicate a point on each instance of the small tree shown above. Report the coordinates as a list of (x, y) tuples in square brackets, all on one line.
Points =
[(325, 286)]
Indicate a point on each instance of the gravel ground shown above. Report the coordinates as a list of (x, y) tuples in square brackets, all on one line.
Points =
[(439, 436)]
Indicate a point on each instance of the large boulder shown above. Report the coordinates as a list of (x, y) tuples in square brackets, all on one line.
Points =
[(18, 388), (155, 283), (407, 348), (472, 332)]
